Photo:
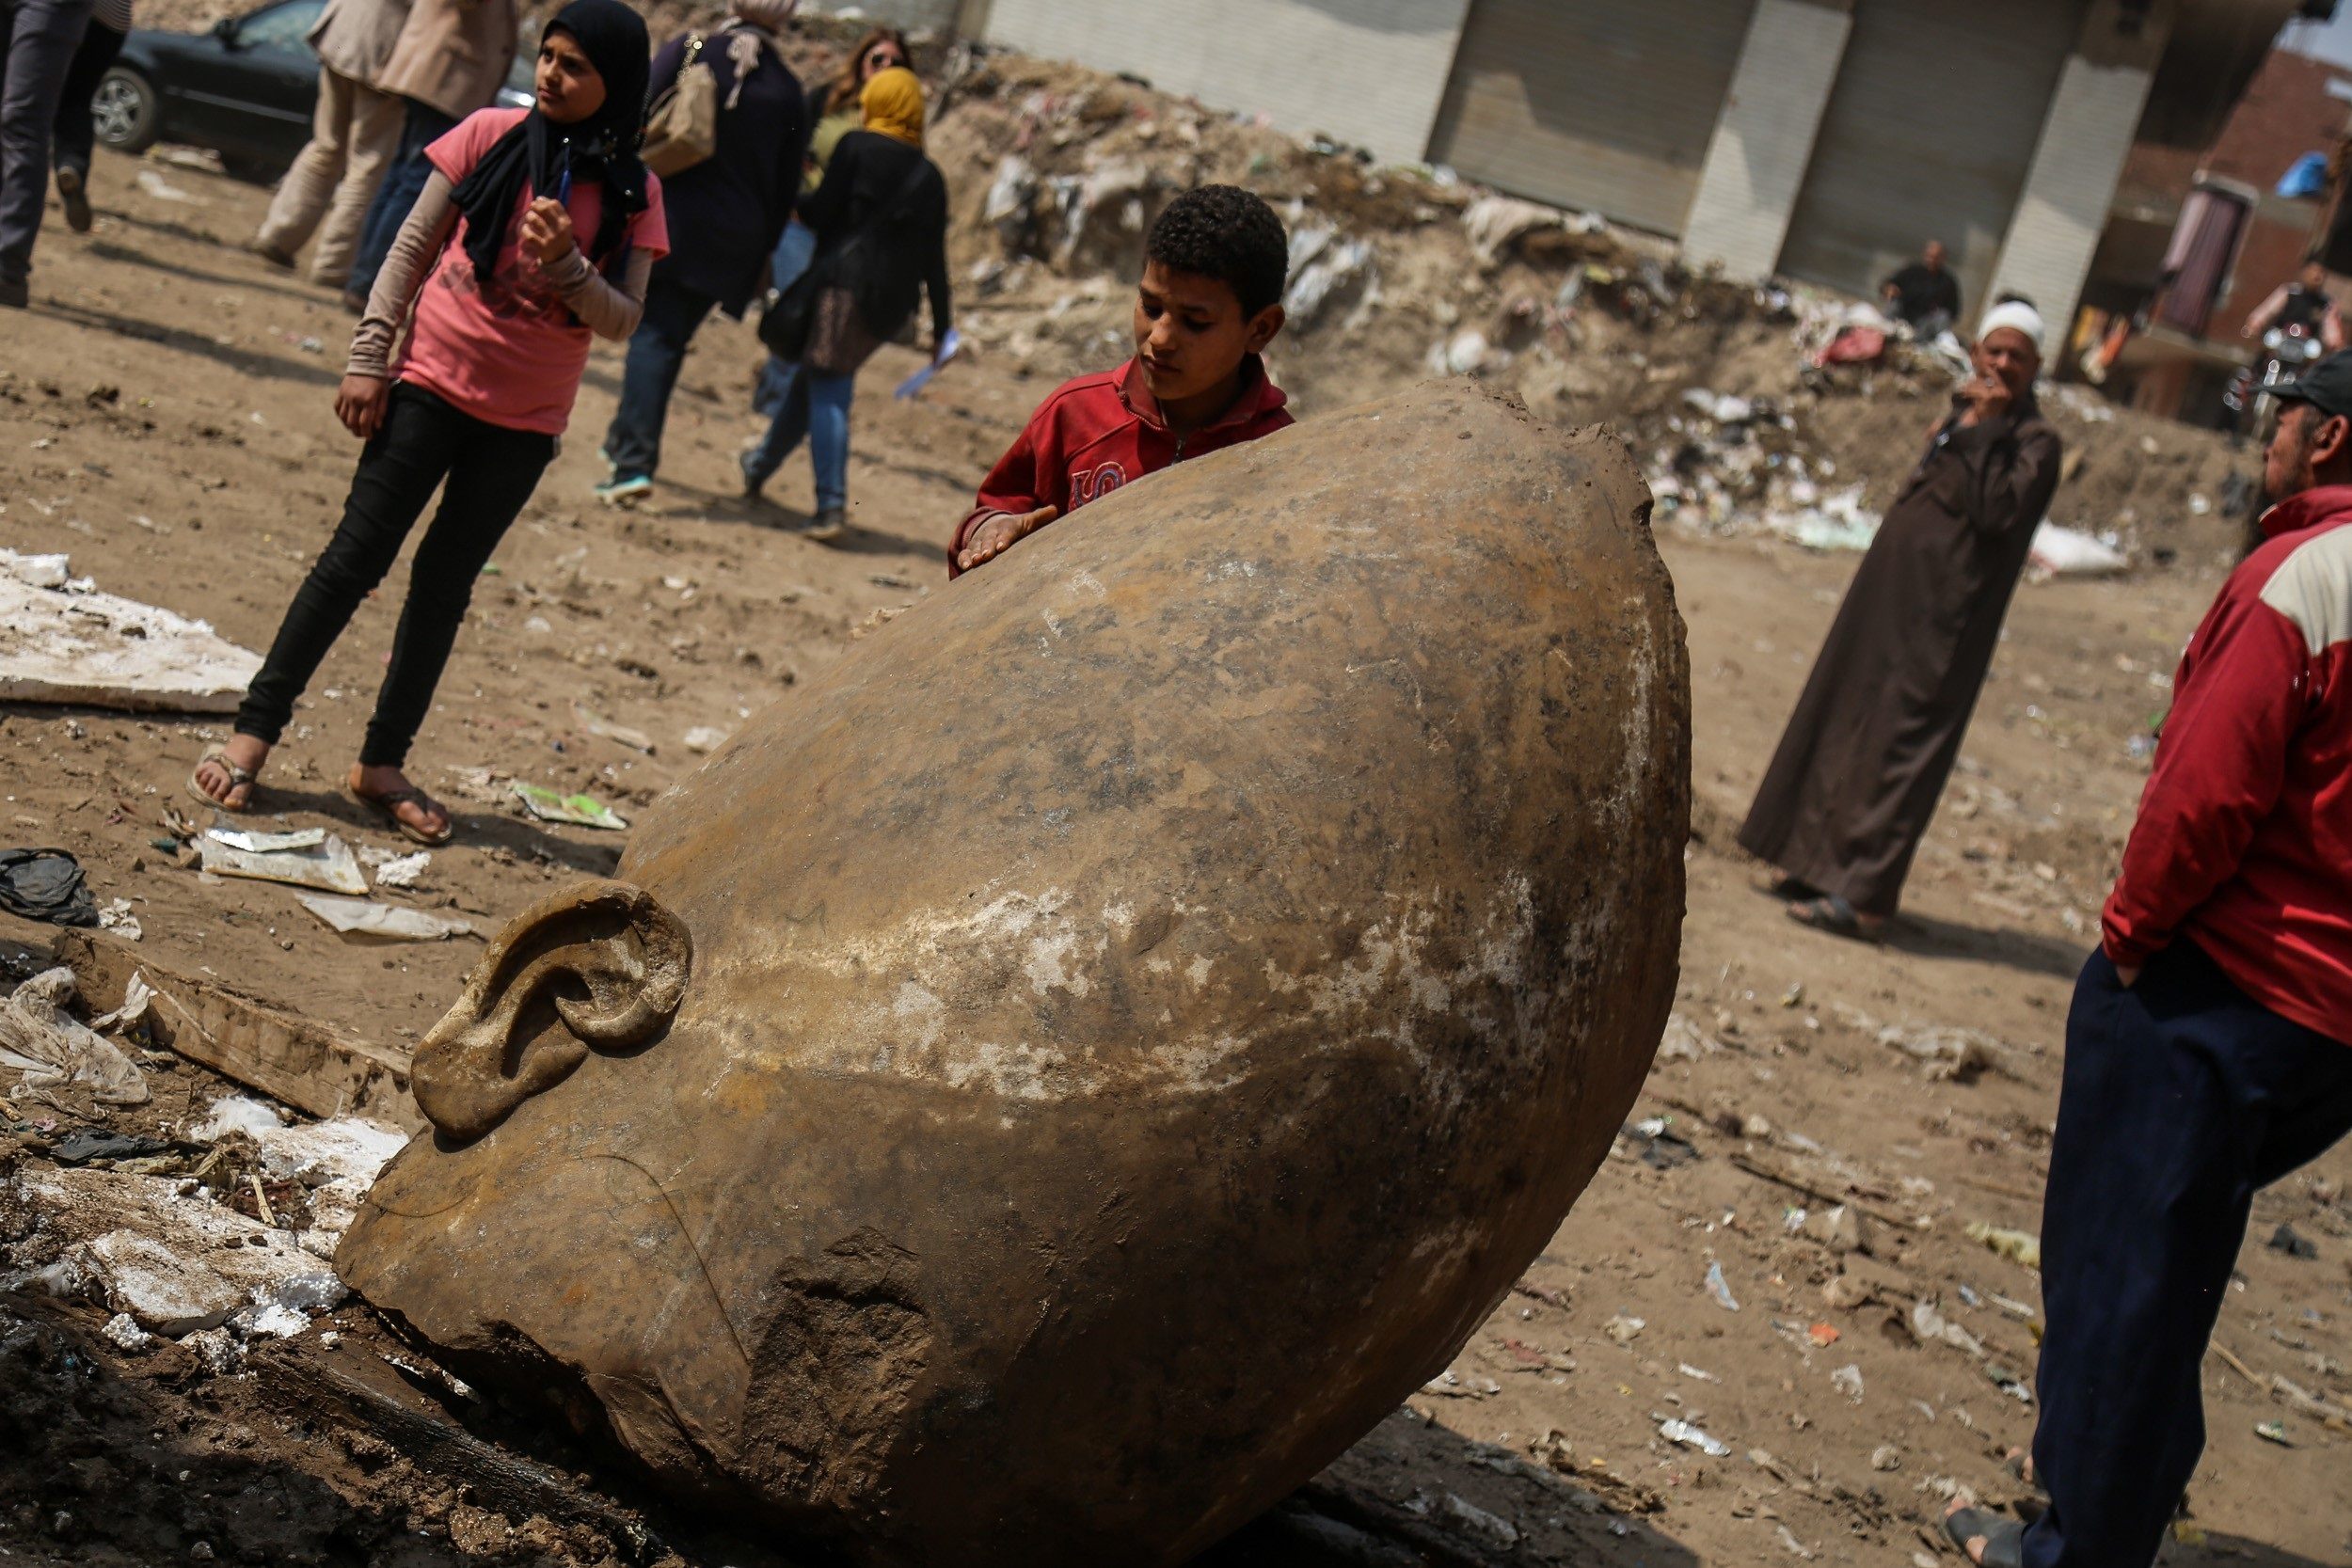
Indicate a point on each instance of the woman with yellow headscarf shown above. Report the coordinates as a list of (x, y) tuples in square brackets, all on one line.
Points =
[(880, 218)]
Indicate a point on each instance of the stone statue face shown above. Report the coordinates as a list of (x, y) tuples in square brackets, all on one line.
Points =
[(1062, 1075)]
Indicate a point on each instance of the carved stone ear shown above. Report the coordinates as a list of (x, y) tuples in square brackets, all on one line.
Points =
[(599, 964)]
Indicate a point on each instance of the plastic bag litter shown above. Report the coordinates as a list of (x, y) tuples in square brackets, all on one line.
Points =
[(2016, 1245), (582, 811), (52, 1048), (45, 884), (2066, 552), (365, 918)]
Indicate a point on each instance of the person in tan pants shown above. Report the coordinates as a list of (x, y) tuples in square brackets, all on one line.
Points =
[(353, 137)]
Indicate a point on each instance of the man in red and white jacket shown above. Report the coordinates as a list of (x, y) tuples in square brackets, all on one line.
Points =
[(2209, 1050)]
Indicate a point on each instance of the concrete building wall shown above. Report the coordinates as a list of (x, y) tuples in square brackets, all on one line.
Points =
[(1763, 141), (915, 16), (1369, 73), (2070, 186)]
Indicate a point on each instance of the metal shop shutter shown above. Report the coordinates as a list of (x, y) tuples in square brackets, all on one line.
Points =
[(1928, 135), (1606, 105)]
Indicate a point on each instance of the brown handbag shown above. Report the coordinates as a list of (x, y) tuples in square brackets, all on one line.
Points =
[(682, 128)]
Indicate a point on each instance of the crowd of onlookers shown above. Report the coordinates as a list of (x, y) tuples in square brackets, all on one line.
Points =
[(483, 248)]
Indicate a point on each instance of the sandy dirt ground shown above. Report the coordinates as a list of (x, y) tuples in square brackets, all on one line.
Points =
[(165, 418)]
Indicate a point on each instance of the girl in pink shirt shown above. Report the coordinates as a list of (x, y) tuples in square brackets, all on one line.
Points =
[(537, 229)]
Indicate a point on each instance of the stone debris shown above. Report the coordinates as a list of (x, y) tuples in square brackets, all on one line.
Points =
[(61, 641)]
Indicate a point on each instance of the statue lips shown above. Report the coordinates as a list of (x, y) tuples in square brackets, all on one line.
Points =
[(1061, 1076)]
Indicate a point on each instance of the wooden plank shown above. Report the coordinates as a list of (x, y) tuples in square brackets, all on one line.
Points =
[(311, 1066)]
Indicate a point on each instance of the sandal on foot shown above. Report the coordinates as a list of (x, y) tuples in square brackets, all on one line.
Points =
[(1788, 890), (238, 778), (388, 804), (2004, 1539), (1832, 913)]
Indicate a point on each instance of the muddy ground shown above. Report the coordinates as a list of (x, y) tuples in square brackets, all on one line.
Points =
[(165, 417)]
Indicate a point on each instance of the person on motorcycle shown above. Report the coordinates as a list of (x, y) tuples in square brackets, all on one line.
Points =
[(2302, 308)]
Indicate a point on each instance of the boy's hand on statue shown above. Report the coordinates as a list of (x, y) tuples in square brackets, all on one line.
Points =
[(359, 403), (546, 231), (1000, 533)]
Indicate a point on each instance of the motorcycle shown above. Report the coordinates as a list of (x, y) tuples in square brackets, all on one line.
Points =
[(2287, 349)]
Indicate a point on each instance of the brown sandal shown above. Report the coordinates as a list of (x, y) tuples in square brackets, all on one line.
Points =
[(238, 776), (388, 804)]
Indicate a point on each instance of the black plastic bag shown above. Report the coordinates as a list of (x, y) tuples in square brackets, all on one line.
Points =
[(45, 884)]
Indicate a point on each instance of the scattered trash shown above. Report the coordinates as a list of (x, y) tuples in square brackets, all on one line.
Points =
[(403, 870), (2285, 1239), (117, 917), (2007, 1383), (1692, 1437), (1720, 1288), (1835, 522), (327, 865), (70, 643), (47, 885), (364, 917), (53, 1049), (86, 1144), (36, 571), (704, 738), (1887, 1457), (2065, 552), (1479, 1524), (2016, 1245), (1622, 1329), (1688, 1371), (264, 844), (580, 811), (1930, 1326), (1659, 1148), (1947, 1055), (156, 185), (123, 1331), (605, 729), (2274, 1432), (1848, 1381), (1823, 1335)]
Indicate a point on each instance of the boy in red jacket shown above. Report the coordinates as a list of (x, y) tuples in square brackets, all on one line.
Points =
[(2209, 1052), (1210, 302)]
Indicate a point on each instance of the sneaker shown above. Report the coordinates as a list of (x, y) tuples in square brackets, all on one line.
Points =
[(74, 192), (753, 482), (830, 523), (271, 254), (624, 489)]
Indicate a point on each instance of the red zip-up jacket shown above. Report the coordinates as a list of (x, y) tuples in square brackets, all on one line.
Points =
[(2243, 841), (1100, 431)]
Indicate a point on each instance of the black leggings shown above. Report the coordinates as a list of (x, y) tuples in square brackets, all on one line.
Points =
[(491, 472)]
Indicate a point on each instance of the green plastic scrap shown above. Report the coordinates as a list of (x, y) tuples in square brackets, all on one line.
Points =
[(580, 811)]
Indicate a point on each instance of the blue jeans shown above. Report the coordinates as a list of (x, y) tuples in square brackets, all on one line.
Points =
[(632, 444), (817, 406), (794, 251), (2181, 1097), (403, 181)]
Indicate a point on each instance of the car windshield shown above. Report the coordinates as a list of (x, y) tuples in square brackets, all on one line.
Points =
[(280, 27)]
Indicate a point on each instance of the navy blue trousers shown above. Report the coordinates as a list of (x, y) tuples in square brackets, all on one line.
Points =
[(2181, 1097)]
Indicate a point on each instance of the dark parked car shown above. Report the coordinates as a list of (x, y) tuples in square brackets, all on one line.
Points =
[(245, 89)]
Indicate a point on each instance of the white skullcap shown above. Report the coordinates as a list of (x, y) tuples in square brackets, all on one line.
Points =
[(2017, 316)]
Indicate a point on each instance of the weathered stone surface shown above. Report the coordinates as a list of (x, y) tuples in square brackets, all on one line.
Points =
[(1134, 1015)]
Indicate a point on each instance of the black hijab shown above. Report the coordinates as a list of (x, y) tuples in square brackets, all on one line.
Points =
[(535, 155)]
